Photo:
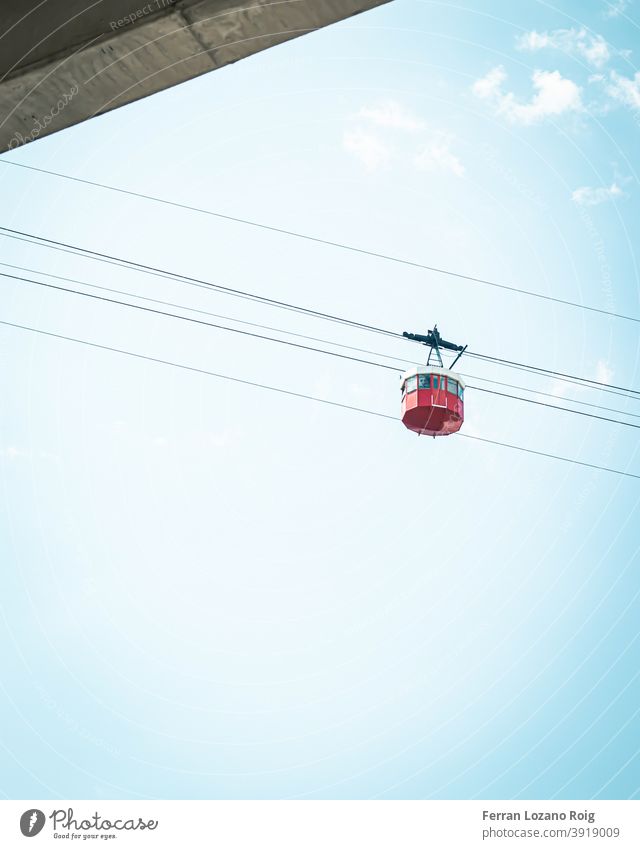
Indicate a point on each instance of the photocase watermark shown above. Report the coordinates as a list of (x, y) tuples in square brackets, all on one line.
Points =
[(65, 825), (74, 726), (39, 125), (581, 499), (601, 256), (67, 822), (494, 159), (32, 822), (149, 9)]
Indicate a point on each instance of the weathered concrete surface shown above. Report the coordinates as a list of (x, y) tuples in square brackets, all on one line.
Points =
[(63, 61)]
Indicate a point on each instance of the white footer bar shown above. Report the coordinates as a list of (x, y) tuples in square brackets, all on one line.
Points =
[(321, 824)]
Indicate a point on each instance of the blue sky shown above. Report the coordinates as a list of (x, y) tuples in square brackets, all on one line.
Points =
[(215, 591)]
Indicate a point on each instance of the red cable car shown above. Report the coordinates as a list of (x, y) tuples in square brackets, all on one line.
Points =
[(432, 395), (432, 401)]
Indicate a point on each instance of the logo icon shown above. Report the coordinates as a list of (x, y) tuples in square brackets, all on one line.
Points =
[(32, 822)]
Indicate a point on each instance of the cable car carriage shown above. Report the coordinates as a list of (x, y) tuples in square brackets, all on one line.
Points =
[(432, 395)]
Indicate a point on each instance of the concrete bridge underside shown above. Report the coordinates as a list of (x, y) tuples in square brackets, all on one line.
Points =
[(63, 61)]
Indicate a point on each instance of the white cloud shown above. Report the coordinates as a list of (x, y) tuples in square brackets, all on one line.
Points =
[(588, 196), (578, 42), (558, 388), (490, 86), (391, 114), (471, 429), (533, 40), (625, 89), (554, 96), (223, 438), (359, 390), (604, 372), (596, 51), (615, 8), (438, 156), (388, 130), (11, 452), (369, 149)]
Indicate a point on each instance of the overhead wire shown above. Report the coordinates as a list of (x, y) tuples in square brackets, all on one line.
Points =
[(291, 393), (298, 345), (550, 372), (110, 259), (327, 242), (192, 320), (625, 392), (209, 313), (628, 394), (307, 337)]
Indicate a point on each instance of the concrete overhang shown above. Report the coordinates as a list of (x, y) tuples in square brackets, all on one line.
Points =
[(63, 61)]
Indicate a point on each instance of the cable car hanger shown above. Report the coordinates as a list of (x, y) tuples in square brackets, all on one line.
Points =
[(435, 342), (433, 394)]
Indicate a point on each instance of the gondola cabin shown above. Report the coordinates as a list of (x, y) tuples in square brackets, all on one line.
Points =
[(432, 401)]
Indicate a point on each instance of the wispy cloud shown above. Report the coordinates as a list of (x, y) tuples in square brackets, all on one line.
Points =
[(554, 96), (603, 373), (388, 130), (615, 8), (472, 429), (437, 155), (489, 87), (11, 452), (626, 90), (223, 438), (391, 114), (592, 196), (369, 149), (577, 42)]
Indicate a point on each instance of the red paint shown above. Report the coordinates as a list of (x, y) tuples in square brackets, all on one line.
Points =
[(434, 411)]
